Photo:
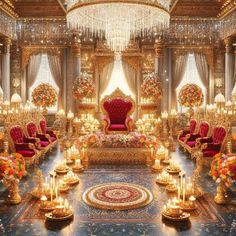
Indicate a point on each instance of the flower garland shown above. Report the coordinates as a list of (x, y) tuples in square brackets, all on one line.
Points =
[(152, 86), (44, 95), (83, 86), (132, 140), (12, 166), (223, 168), (190, 95)]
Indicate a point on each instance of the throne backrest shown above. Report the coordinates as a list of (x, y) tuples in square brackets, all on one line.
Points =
[(218, 134), (31, 129), (117, 106), (204, 129), (192, 125), (17, 134), (43, 125)]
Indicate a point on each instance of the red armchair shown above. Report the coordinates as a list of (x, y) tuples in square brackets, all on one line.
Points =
[(117, 109), (45, 131), (44, 139), (27, 147), (214, 144), (183, 133), (191, 139)]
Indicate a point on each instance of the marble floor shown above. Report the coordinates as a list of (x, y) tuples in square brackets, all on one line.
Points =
[(208, 219)]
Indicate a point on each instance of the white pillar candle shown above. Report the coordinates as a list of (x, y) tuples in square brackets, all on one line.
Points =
[(157, 163)]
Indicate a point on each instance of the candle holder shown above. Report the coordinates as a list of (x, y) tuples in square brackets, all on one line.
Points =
[(164, 178), (162, 153), (46, 205), (38, 191), (172, 187), (173, 168), (63, 187), (189, 205), (62, 168), (221, 193), (77, 168), (157, 166), (71, 178)]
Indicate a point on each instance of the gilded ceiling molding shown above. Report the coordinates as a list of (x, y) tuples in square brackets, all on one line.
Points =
[(8, 7), (28, 51), (227, 7)]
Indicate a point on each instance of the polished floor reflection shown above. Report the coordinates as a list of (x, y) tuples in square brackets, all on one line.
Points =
[(25, 219)]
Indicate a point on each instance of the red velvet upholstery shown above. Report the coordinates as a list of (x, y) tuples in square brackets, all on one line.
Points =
[(183, 133), (22, 143), (117, 110), (192, 125), (43, 127), (212, 146), (32, 129), (204, 129)]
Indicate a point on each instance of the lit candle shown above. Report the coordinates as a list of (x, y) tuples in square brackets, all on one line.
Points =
[(157, 163), (192, 200), (51, 194), (56, 190), (178, 193)]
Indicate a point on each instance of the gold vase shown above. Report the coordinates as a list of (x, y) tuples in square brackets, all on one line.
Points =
[(221, 192), (12, 184)]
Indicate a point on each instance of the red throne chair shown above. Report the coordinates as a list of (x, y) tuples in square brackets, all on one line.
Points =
[(45, 140), (27, 147), (183, 133), (117, 109), (191, 139), (214, 144), (46, 131)]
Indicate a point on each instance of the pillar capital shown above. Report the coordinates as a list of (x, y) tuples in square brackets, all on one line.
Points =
[(6, 45), (159, 48)]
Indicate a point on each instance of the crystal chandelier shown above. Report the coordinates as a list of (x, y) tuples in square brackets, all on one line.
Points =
[(118, 20)]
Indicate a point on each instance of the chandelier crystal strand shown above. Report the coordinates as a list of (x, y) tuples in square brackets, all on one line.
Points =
[(118, 21)]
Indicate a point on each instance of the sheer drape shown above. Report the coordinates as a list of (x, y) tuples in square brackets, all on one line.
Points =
[(105, 77), (178, 73), (130, 76), (202, 68), (56, 70), (33, 68)]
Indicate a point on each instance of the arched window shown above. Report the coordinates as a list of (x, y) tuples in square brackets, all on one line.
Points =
[(191, 76), (45, 76)]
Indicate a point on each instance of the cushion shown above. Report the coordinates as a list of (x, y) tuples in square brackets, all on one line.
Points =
[(43, 126), (117, 110), (53, 139), (191, 143), (26, 153), (17, 134), (44, 143), (117, 127), (204, 128), (209, 153), (218, 134), (32, 130), (182, 138), (192, 125)]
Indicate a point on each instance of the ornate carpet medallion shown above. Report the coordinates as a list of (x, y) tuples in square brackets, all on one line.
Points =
[(117, 196)]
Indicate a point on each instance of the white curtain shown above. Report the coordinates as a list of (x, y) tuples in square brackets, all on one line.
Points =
[(202, 68), (130, 76), (33, 68), (178, 73), (105, 77), (56, 70)]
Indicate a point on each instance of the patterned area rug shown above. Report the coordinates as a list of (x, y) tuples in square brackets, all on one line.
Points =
[(117, 196)]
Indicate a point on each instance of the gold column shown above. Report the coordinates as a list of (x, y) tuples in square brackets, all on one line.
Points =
[(6, 68), (229, 67)]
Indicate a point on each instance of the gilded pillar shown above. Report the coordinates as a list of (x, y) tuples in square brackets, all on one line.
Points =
[(6, 69), (76, 53), (229, 67)]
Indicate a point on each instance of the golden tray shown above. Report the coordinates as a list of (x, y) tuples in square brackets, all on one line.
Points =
[(47, 208), (184, 217), (187, 208), (72, 182), (161, 182), (50, 217), (157, 169), (65, 171), (170, 171), (62, 190), (78, 170), (171, 190)]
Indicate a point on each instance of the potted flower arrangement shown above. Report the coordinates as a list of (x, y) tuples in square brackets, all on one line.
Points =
[(190, 95), (44, 95), (223, 171), (83, 86), (152, 86)]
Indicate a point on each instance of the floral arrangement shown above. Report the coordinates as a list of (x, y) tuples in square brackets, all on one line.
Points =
[(190, 95), (131, 140), (44, 95), (83, 86), (223, 168), (152, 86), (12, 166)]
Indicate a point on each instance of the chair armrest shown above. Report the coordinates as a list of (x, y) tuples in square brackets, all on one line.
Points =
[(31, 140), (106, 123), (191, 137), (25, 146), (51, 133), (183, 133), (129, 123), (205, 140), (43, 137), (212, 146)]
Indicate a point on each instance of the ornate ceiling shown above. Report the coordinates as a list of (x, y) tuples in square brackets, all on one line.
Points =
[(179, 8)]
